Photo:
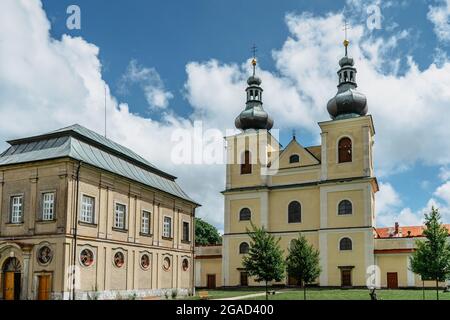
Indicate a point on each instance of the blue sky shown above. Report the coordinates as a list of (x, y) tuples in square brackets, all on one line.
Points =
[(170, 34), (188, 49)]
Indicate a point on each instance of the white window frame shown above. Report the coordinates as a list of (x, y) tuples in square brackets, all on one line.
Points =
[(145, 222), (48, 206), (120, 222), (84, 212), (16, 211), (167, 228)]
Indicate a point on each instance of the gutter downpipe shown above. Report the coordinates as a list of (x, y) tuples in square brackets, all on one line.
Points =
[(75, 231)]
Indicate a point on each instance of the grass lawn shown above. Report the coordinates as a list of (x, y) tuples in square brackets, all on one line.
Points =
[(219, 294), (355, 294)]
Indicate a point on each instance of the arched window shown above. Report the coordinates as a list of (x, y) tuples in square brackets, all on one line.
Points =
[(294, 158), (294, 212), (244, 248), (345, 244), (245, 214), (345, 207), (345, 150), (246, 167)]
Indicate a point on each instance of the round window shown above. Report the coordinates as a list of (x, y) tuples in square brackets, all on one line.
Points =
[(185, 264), (119, 259), (145, 261), (166, 263), (45, 255), (86, 257)]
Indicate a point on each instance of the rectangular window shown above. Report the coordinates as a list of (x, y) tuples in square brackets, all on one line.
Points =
[(167, 227), (186, 231), (48, 206), (87, 209), (119, 217), (17, 209), (145, 223)]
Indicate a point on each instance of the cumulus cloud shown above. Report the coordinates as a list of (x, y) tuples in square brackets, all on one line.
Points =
[(410, 110), (150, 82), (439, 15), (49, 83)]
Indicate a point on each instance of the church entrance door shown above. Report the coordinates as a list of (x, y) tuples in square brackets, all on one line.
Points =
[(11, 279), (44, 287), (392, 280), (211, 281)]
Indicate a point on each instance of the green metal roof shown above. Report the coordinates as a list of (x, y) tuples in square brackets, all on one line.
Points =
[(82, 144)]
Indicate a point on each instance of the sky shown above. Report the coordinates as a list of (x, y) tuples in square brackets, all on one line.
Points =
[(167, 66)]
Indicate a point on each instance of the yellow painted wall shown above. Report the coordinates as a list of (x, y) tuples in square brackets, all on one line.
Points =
[(354, 257), (235, 208), (279, 200), (356, 219)]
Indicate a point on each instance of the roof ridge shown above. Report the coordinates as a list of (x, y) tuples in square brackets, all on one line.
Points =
[(101, 142)]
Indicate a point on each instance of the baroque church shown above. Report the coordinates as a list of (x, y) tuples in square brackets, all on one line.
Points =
[(325, 192)]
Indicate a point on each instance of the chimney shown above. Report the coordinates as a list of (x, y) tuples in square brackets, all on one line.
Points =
[(396, 228)]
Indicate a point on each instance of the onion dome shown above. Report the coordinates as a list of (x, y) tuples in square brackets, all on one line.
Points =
[(254, 116), (348, 102)]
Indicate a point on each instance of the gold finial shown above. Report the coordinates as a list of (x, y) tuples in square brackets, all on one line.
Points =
[(254, 59), (346, 41)]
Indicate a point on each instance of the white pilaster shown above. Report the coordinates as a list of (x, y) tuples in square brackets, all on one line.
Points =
[(225, 261), (264, 205), (324, 160), (323, 208), (323, 255), (409, 274)]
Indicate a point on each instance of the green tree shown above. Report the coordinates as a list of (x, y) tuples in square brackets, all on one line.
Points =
[(206, 233), (431, 260), (303, 262), (264, 260)]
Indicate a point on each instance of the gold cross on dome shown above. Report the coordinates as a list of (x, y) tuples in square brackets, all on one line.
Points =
[(254, 50), (346, 41)]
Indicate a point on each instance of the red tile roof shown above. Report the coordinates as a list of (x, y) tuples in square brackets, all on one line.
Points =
[(403, 232)]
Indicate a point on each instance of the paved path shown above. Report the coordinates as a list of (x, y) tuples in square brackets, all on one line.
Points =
[(253, 295)]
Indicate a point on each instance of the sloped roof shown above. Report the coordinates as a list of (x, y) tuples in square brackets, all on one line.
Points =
[(82, 144), (414, 231)]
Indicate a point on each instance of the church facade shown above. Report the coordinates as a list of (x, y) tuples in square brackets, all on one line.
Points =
[(325, 192), (83, 217)]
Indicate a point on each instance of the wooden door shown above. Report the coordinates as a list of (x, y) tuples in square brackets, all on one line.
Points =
[(44, 287), (346, 278), (292, 281), (8, 288), (211, 281), (244, 279), (392, 280)]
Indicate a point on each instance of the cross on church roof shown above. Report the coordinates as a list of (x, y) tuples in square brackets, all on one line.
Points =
[(254, 50), (346, 41)]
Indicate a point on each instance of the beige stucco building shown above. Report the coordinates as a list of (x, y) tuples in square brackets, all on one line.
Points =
[(74, 198), (325, 192)]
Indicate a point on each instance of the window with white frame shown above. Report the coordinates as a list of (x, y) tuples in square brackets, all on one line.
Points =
[(87, 209), (48, 206), (119, 217), (167, 227), (145, 223), (17, 209)]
